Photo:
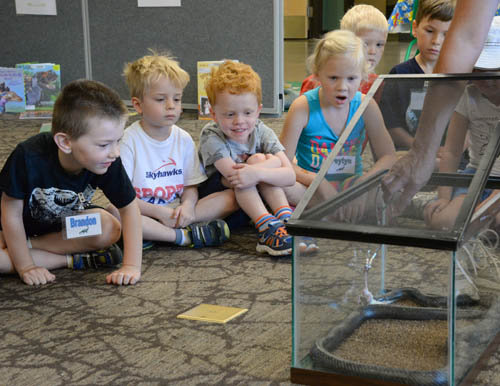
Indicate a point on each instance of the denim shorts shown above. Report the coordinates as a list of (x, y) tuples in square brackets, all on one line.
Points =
[(459, 191)]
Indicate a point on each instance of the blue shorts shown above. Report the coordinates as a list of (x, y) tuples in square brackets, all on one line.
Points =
[(213, 184), (459, 191)]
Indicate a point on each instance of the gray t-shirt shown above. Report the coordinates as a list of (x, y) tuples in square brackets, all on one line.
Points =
[(214, 145)]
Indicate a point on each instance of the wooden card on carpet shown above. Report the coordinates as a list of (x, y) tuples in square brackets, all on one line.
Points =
[(212, 313)]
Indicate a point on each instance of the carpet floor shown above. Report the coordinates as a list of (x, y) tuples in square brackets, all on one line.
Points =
[(80, 331)]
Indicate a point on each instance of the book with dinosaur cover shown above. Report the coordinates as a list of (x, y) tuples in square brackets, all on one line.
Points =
[(42, 84), (11, 90)]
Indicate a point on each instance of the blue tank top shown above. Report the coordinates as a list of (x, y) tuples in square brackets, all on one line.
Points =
[(317, 140)]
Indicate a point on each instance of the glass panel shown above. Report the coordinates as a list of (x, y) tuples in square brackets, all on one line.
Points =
[(372, 311), (440, 257), (477, 282), (338, 167)]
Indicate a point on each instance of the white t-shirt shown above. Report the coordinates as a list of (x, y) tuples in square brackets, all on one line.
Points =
[(483, 117), (159, 170)]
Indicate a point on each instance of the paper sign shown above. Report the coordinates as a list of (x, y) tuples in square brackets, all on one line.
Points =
[(158, 3), (36, 7)]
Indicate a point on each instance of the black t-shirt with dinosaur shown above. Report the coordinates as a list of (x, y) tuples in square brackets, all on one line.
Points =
[(33, 173)]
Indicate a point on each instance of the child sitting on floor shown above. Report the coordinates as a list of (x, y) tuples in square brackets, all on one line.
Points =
[(317, 119), (243, 155), (47, 185), (162, 162), (370, 25)]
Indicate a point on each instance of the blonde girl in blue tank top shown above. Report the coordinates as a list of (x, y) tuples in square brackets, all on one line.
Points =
[(316, 120)]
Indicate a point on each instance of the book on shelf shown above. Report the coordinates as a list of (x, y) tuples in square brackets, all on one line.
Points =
[(42, 84), (12, 99), (203, 72)]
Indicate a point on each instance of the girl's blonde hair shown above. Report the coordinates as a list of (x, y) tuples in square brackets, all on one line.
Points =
[(364, 16), (338, 42), (143, 72)]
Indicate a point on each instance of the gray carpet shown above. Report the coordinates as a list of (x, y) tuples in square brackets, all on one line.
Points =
[(80, 331)]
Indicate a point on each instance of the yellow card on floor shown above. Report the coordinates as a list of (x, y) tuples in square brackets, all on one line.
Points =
[(212, 313)]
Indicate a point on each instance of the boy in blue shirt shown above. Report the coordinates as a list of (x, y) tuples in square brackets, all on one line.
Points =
[(402, 101)]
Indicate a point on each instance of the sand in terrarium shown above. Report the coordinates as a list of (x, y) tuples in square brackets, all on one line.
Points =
[(419, 345)]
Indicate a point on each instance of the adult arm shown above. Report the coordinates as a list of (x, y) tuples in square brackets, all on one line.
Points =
[(451, 155), (462, 46)]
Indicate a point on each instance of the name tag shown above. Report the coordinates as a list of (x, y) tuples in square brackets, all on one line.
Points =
[(343, 164), (82, 225), (417, 100)]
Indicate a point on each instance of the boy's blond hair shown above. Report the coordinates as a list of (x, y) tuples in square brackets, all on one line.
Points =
[(143, 72), (441, 10), (338, 42), (234, 77), (364, 16), (82, 100)]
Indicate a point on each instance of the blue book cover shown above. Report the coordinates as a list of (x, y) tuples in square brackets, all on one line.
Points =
[(12, 99), (42, 84)]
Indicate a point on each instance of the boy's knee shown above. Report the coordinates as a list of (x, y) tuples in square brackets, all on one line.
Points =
[(111, 231), (231, 202), (111, 226), (256, 158)]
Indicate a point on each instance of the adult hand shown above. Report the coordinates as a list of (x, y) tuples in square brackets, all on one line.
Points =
[(408, 175), (34, 275), (127, 274)]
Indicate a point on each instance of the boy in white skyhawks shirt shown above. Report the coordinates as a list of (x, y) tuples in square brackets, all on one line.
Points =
[(162, 162)]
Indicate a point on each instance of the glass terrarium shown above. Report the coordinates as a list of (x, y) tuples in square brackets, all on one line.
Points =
[(392, 298)]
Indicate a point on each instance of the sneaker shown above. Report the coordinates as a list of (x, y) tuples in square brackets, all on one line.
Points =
[(104, 258), (417, 204), (147, 244), (307, 245), (275, 240), (209, 234)]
